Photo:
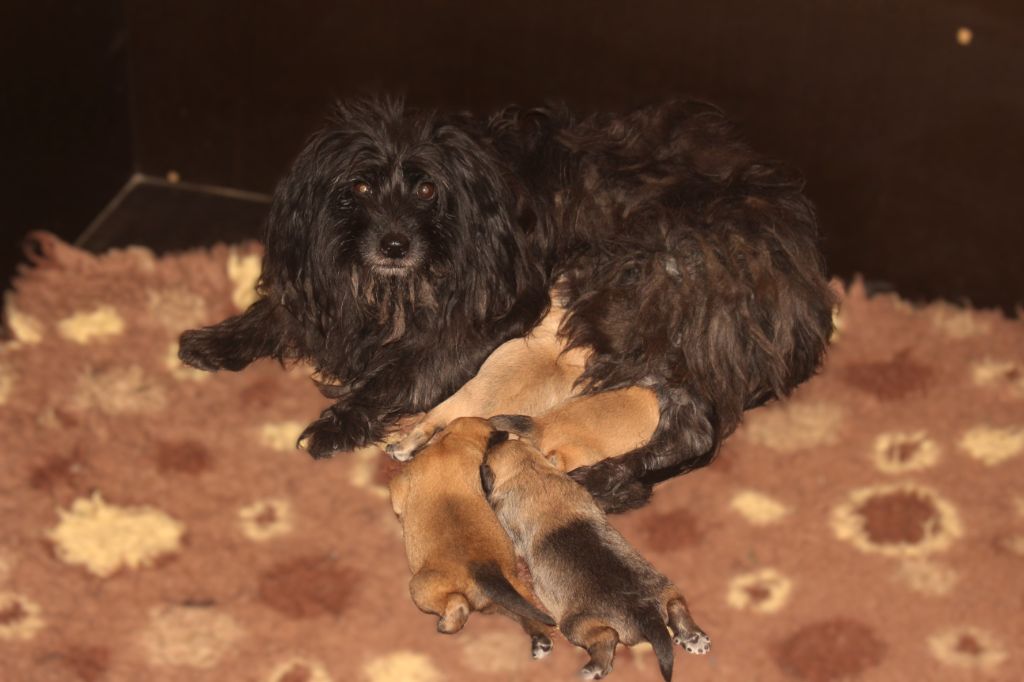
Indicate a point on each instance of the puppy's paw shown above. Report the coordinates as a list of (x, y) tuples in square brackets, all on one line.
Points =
[(695, 642), (456, 613), (405, 449), (540, 647), (594, 671), (401, 428), (205, 349)]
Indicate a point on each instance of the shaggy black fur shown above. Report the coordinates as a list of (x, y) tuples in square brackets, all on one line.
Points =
[(404, 246)]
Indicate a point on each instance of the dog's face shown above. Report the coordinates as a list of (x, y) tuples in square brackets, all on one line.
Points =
[(392, 208), (389, 211)]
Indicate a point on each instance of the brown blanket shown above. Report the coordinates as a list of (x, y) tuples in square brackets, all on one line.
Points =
[(157, 523)]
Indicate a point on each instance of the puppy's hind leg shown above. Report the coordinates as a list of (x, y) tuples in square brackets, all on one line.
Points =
[(540, 646), (686, 632), (456, 613), (540, 641), (506, 595), (598, 639), (433, 593)]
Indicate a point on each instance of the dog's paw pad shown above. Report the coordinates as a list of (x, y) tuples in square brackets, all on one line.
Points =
[(594, 671), (694, 642), (541, 647)]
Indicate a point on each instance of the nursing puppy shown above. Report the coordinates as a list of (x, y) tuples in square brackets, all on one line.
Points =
[(460, 558), (583, 430), (600, 590), (528, 375), (536, 375)]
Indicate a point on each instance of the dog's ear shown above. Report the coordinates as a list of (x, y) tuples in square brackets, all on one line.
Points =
[(499, 265), (307, 209)]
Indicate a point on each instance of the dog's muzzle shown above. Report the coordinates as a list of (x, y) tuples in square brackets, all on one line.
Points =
[(394, 245), (393, 253)]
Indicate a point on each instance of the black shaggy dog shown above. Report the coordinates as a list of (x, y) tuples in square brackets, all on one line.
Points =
[(404, 246)]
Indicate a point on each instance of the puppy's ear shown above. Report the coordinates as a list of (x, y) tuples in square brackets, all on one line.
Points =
[(496, 438), (487, 479), (519, 424)]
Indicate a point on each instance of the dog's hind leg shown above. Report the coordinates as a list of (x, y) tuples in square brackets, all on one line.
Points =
[(685, 439)]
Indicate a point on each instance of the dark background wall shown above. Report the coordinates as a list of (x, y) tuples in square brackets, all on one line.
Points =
[(913, 144), (65, 130)]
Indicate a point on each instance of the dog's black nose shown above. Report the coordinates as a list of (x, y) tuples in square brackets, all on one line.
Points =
[(394, 245)]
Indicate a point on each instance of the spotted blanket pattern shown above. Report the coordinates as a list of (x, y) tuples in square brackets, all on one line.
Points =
[(157, 523)]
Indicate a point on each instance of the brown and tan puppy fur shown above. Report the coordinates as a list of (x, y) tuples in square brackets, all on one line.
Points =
[(598, 588), (460, 557), (586, 429), (527, 375)]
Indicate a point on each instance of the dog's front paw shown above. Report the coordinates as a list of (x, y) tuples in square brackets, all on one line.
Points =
[(207, 350), (337, 431)]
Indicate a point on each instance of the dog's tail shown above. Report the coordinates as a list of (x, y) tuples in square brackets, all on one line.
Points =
[(498, 589), (654, 630)]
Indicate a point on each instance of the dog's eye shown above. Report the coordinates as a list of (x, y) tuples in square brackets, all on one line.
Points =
[(426, 191), (362, 188)]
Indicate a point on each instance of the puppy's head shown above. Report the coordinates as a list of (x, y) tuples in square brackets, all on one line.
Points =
[(448, 467), (386, 209), (450, 464), (506, 459), (465, 435)]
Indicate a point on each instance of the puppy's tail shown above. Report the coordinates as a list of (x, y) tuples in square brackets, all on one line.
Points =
[(654, 630), (499, 590)]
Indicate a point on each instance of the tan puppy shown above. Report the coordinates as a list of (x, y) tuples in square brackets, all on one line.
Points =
[(586, 429), (535, 375), (596, 585), (528, 375), (460, 557)]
